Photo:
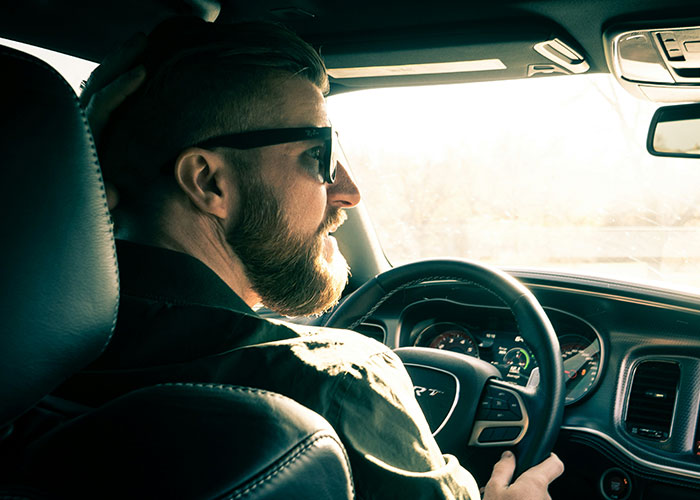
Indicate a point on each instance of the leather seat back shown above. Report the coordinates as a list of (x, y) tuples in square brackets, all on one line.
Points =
[(60, 285), (194, 441)]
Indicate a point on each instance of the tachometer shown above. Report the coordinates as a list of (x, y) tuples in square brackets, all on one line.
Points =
[(581, 358), (449, 337)]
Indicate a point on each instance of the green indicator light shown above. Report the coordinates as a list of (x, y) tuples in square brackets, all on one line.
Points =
[(527, 358)]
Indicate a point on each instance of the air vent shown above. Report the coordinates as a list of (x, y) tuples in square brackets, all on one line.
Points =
[(652, 399), (372, 330)]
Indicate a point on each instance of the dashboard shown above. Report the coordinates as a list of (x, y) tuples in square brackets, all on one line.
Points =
[(613, 337)]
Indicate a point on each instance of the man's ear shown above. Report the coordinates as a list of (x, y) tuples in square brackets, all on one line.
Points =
[(204, 178)]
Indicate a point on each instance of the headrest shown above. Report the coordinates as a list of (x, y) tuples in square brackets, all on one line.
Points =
[(60, 285)]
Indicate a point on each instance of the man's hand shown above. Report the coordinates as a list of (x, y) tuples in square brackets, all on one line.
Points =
[(113, 81), (531, 485)]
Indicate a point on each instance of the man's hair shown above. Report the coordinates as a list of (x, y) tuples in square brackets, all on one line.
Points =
[(202, 80)]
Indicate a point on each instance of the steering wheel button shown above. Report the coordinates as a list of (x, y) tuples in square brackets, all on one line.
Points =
[(498, 393), (498, 434), (512, 416), (514, 408), (499, 404), (500, 415), (486, 436), (510, 433)]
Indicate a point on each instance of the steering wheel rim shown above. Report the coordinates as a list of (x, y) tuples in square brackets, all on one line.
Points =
[(545, 402)]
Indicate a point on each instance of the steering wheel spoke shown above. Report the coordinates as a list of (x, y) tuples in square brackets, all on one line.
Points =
[(447, 386), (502, 417)]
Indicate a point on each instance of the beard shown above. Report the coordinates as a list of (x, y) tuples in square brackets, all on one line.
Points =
[(289, 272)]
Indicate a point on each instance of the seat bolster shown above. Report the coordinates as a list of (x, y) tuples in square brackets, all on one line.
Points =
[(310, 462), (193, 441)]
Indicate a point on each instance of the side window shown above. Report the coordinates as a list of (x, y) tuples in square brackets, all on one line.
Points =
[(73, 69)]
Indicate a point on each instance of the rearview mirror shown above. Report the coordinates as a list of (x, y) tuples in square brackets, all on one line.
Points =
[(675, 131)]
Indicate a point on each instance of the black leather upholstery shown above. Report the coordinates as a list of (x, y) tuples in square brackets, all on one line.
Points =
[(59, 303), (59, 289), (195, 441)]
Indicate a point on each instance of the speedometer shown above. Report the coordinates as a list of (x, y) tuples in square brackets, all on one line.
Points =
[(448, 337), (581, 358)]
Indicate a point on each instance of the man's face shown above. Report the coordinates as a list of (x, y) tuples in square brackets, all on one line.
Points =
[(285, 214)]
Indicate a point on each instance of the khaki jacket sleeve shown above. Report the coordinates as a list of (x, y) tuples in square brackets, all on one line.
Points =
[(392, 451)]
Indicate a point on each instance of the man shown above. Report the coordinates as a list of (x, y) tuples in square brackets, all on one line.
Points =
[(228, 195)]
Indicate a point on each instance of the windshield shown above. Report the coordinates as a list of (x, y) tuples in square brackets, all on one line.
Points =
[(548, 173)]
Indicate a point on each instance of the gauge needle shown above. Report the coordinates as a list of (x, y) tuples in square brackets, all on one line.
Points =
[(576, 362)]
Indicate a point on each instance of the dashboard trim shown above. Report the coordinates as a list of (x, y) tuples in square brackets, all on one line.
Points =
[(617, 297), (658, 291), (641, 461)]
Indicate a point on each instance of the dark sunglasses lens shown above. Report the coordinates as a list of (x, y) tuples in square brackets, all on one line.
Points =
[(329, 165), (337, 156)]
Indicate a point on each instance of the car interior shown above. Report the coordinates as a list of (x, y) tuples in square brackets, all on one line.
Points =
[(504, 353)]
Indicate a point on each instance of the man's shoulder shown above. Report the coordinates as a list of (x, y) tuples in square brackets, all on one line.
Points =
[(332, 337), (330, 350)]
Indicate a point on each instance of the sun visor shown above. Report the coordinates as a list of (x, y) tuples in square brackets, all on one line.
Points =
[(452, 56), (659, 63)]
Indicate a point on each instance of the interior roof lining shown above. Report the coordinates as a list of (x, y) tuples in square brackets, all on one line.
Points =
[(102, 25)]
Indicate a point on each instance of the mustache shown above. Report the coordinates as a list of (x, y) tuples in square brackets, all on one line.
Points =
[(334, 218)]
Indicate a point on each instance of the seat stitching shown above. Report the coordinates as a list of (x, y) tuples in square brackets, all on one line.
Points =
[(286, 464), (253, 390), (226, 387)]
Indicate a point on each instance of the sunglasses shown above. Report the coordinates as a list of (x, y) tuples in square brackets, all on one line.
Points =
[(327, 161)]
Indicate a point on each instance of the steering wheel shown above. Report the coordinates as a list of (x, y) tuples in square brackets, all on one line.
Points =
[(464, 398)]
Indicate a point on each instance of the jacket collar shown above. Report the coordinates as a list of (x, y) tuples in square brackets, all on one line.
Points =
[(173, 277)]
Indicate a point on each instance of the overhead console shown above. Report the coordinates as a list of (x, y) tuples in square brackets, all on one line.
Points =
[(659, 63)]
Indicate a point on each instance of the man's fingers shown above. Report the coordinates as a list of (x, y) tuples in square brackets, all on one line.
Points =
[(114, 94), (548, 470), (538, 476), (503, 471), (115, 64), (119, 60), (104, 102)]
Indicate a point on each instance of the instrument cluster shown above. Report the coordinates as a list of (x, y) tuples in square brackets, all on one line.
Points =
[(488, 334), (506, 350)]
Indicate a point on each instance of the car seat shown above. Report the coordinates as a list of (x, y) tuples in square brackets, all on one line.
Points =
[(59, 306)]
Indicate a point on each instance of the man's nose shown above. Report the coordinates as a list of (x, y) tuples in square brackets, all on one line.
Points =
[(343, 193)]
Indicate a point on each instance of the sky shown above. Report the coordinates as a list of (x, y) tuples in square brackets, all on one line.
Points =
[(73, 69)]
